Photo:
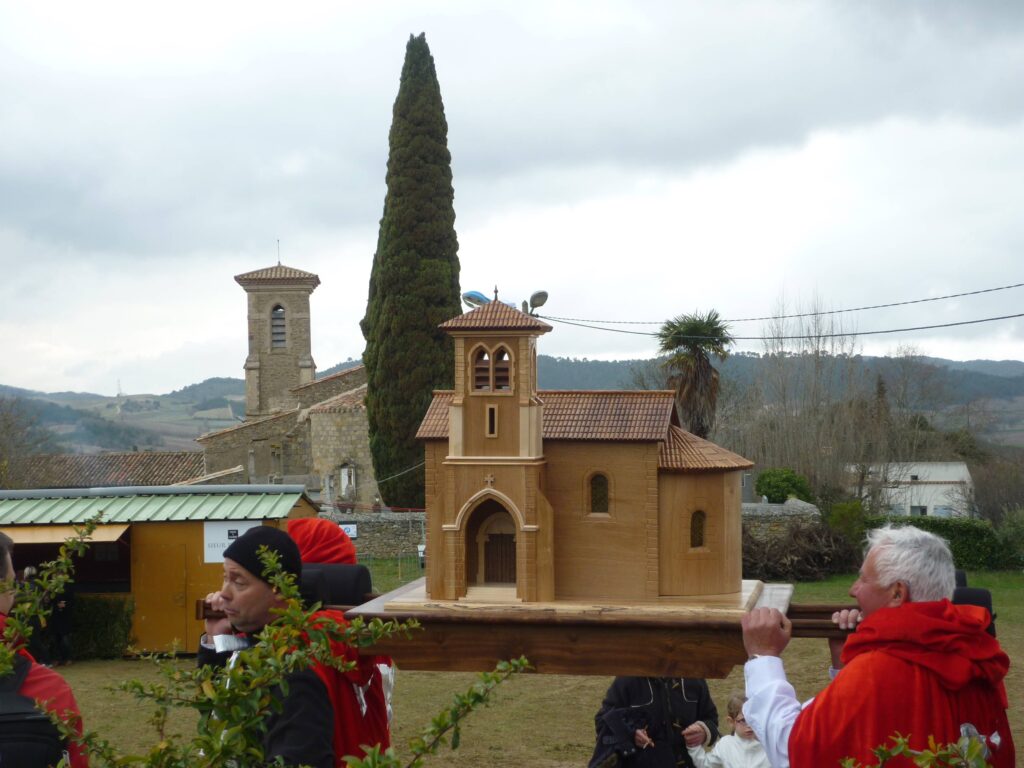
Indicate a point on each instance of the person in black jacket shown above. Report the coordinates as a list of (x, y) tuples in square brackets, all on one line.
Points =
[(648, 722), (60, 626), (302, 732)]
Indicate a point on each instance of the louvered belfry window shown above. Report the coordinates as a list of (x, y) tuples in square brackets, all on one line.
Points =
[(482, 371), (502, 370), (278, 336)]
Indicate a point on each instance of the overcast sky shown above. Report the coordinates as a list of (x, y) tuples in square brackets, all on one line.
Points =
[(636, 160)]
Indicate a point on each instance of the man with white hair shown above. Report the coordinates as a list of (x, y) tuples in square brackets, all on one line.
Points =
[(916, 665)]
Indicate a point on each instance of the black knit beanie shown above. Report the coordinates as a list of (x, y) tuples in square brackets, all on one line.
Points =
[(243, 550)]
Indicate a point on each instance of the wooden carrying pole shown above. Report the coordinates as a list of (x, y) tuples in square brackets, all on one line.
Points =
[(687, 643)]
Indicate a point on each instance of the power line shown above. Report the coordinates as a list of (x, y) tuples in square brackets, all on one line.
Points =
[(795, 338), (403, 472), (803, 314)]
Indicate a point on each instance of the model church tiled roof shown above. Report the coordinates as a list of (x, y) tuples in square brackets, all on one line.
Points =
[(580, 415), (685, 452), (277, 274), (628, 416), (598, 415), (85, 470), (495, 316)]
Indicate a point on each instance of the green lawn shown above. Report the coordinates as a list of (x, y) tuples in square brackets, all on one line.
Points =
[(540, 720)]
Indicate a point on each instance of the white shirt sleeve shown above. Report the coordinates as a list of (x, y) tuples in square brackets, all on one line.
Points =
[(771, 707)]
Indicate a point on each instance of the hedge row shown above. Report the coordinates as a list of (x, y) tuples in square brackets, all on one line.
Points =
[(102, 626), (975, 544)]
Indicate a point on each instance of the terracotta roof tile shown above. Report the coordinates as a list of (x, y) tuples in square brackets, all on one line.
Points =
[(278, 273), (435, 421), (593, 415), (495, 316), (685, 452), (83, 470), (580, 415), (346, 401)]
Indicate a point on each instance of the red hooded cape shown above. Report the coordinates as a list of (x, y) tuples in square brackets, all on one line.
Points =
[(921, 670), (322, 541), (352, 729)]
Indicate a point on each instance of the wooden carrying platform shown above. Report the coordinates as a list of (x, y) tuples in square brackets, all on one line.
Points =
[(698, 639)]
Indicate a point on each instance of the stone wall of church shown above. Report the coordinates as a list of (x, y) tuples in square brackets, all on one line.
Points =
[(274, 447), (340, 440), (330, 386)]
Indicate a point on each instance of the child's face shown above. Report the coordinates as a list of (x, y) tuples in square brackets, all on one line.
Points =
[(740, 727)]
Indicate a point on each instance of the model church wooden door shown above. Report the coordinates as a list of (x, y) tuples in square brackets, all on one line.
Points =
[(500, 558), (492, 546)]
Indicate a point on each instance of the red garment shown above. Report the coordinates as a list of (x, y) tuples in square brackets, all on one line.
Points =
[(45, 685), (322, 541), (377, 728), (352, 729), (921, 670)]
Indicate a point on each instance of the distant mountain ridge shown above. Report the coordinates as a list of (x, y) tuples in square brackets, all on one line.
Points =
[(89, 422)]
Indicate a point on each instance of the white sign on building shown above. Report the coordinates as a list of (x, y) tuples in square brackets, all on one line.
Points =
[(218, 534), (351, 529)]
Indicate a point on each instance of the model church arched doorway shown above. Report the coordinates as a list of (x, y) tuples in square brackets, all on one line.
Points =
[(491, 546)]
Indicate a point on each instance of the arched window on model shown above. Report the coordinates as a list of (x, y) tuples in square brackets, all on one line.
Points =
[(502, 370), (482, 371), (599, 494), (278, 337), (698, 523)]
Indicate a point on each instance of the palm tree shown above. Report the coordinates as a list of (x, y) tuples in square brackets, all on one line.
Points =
[(690, 341)]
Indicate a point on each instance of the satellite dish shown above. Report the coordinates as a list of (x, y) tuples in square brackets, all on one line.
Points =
[(538, 299), (474, 299)]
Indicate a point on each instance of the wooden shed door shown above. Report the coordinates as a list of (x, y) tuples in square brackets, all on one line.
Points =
[(158, 587)]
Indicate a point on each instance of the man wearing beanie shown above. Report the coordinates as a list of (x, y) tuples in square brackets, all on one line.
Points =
[(302, 732)]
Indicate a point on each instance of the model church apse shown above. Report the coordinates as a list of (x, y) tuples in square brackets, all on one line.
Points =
[(570, 496)]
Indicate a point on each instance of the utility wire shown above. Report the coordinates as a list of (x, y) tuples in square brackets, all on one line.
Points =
[(403, 472), (803, 314), (795, 338), (582, 324)]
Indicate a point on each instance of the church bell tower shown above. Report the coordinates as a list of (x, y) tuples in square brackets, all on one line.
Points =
[(279, 339)]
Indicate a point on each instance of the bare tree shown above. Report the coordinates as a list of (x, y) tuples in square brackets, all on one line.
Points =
[(21, 435)]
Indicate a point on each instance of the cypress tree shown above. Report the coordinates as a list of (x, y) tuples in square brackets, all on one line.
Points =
[(414, 284)]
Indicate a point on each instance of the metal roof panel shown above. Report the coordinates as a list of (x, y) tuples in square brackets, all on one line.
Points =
[(163, 507)]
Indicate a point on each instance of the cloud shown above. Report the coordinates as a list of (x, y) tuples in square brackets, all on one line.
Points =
[(636, 160)]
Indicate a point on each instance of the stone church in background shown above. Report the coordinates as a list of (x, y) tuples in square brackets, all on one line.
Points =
[(297, 428)]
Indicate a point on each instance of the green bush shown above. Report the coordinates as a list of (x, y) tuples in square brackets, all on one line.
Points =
[(974, 543), (1010, 534), (847, 518), (780, 483), (102, 626)]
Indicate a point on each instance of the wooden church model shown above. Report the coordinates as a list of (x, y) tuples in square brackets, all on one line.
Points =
[(569, 496)]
